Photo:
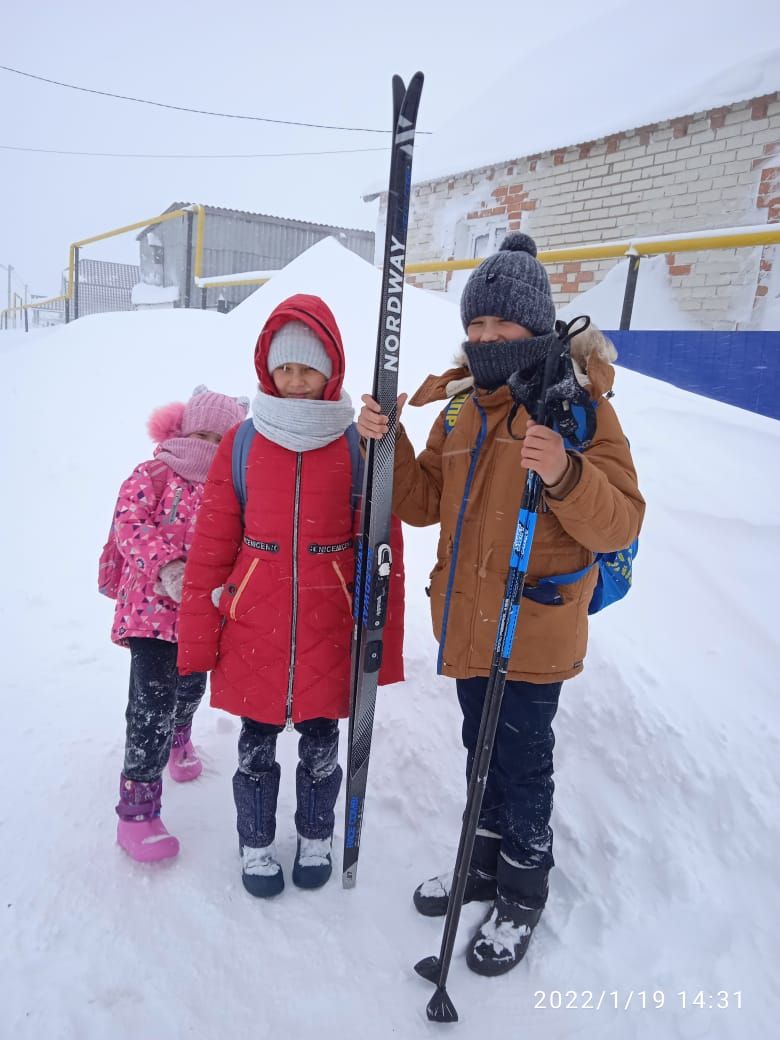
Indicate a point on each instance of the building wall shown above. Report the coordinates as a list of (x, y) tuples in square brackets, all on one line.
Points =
[(237, 242), (713, 169)]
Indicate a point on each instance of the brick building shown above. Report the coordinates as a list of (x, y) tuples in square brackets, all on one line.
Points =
[(714, 168)]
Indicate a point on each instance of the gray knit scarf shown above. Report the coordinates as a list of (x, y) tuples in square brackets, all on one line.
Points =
[(301, 425)]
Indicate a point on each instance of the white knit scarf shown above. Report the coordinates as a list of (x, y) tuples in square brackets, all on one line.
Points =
[(299, 424)]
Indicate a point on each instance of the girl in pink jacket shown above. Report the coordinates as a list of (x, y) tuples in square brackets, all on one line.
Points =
[(152, 533)]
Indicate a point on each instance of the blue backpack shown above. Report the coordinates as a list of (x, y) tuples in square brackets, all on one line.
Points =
[(615, 568), (243, 442)]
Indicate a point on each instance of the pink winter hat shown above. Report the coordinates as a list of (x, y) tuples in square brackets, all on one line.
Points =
[(205, 412), (210, 412)]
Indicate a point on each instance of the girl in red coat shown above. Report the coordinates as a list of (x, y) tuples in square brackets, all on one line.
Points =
[(267, 597)]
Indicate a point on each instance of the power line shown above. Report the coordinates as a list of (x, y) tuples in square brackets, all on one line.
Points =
[(153, 155), (196, 111)]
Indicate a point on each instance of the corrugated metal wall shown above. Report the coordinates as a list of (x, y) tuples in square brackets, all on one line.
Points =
[(238, 242)]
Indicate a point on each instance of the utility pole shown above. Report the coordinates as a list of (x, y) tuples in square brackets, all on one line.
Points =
[(8, 312)]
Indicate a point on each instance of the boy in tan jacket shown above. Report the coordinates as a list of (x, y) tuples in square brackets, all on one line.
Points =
[(470, 480)]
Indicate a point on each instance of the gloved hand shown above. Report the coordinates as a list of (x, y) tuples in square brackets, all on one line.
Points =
[(216, 595), (172, 579)]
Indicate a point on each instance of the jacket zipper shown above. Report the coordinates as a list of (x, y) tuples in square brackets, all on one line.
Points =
[(171, 518), (241, 588), (293, 629)]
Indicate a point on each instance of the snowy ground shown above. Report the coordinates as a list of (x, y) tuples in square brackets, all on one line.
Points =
[(667, 776)]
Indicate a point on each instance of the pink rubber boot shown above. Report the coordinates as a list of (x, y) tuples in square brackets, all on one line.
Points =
[(140, 831), (184, 763)]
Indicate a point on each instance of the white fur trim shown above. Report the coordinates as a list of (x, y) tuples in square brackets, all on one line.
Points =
[(457, 386)]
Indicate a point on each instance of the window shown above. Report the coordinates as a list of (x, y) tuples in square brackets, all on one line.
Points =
[(486, 240), (480, 245)]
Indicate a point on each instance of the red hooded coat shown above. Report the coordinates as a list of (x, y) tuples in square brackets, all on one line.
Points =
[(278, 645)]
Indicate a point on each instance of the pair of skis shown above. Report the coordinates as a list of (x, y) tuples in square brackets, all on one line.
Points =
[(374, 558)]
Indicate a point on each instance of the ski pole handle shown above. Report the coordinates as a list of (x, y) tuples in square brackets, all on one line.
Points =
[(551, 362)]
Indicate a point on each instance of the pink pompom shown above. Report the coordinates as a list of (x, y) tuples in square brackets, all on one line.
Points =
[(165, 422)]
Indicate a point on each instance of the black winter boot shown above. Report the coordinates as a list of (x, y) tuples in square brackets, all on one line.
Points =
[(314, 819), (432, 896), (502, 940), (255, 799), (313, 866)]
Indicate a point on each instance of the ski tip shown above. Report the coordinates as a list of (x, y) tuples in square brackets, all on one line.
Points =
[(348, 879), (402, 88), (440, 1008), (429, 968)]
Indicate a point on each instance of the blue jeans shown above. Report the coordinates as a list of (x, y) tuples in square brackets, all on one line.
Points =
[(518, 799)]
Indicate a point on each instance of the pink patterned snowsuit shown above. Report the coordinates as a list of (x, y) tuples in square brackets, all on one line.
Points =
[(151, 533)]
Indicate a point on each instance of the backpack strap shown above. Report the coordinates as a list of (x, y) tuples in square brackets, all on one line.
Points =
[(453, 410), (356, 459), (579, 427), (572, 577), (242, 442)]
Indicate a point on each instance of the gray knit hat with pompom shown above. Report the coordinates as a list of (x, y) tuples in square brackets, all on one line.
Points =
[(513, 285)]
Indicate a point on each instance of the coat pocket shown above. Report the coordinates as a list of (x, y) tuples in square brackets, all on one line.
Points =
[(346, 587), (443, 555), (329, 564), (438, 583), (235, 588)]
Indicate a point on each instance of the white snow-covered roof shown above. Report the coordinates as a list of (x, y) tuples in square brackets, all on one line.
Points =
[(620, 72)]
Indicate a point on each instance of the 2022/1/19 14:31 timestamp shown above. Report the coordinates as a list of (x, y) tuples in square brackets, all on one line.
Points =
[(624, 1000)]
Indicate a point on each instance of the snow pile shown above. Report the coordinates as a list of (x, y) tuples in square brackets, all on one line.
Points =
[(145, 295), (654, 303), (770, 319), (654, 306), (432, 331), (667, 781)]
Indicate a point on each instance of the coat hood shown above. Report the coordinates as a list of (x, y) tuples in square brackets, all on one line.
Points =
[(316, 314)]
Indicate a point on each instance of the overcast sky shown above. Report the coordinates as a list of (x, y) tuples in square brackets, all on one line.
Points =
[(307, 61)]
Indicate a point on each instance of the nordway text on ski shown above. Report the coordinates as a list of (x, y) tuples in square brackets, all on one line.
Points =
[(395, 288)]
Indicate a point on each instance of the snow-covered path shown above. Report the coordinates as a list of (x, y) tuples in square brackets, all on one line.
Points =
[(667, 753)]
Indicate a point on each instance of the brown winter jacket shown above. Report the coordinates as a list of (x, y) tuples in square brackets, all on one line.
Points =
[(471, 482)]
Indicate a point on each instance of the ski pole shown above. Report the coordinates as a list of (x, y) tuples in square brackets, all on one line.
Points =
[(436, 969)]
